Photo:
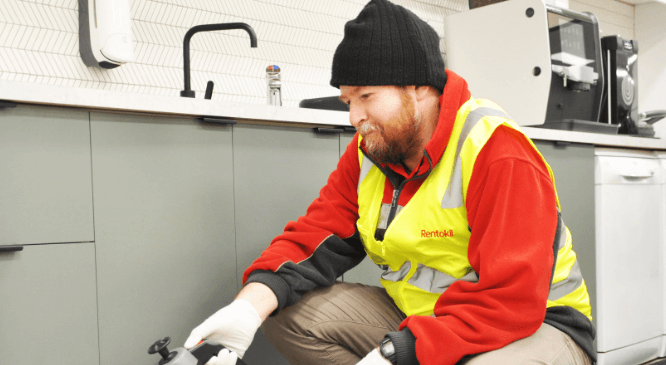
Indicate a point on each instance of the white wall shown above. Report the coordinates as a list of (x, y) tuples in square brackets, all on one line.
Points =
[(39, 43), (615, 18), (651, 37)]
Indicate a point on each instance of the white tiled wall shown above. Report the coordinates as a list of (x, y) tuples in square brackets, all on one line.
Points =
[(39, 43), (651, 36), (615, 17)]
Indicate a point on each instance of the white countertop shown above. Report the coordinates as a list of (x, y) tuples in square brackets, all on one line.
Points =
[(144, 103)]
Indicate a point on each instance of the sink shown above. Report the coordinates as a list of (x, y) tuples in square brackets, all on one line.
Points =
[(326, 103)]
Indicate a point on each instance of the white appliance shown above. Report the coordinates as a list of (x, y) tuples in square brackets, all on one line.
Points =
[(105, 33), (630, 310), (497, 60), (662, 158), (540, 63)]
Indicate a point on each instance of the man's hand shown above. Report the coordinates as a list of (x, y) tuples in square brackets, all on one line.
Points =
[(374, 358), (225, 357), (233, 327)]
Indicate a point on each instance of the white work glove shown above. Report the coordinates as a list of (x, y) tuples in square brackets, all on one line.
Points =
[(374, 358), (233, 327), (224, 357)]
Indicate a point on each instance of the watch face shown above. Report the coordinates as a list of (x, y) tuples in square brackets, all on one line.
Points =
[(388, 348)]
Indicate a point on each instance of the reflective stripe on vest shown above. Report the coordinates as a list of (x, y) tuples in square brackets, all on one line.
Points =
[(435, 281), (426, 278), (453, 197), (574, 279), (366, 165)]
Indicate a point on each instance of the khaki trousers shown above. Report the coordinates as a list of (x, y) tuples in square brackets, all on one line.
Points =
[(344, 322)]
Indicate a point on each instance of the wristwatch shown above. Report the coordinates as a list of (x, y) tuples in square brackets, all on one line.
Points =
[(387, 350)]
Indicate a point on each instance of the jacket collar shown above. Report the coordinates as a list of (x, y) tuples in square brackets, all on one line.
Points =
[(455, 94)]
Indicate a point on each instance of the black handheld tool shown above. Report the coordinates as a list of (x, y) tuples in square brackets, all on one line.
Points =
[(197, 355)]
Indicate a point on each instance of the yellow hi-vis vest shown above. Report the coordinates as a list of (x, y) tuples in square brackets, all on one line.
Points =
[(424, 249)]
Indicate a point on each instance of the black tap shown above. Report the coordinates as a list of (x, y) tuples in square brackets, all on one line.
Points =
[(206, 28)]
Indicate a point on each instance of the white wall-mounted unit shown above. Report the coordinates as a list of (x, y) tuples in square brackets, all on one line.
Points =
[(105, 33)]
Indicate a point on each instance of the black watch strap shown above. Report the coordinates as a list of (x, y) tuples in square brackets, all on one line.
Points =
[(404, 347)]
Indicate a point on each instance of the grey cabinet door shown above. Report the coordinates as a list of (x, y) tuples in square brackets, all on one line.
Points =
[(45, 183), (164, 225), (345, 139), (48, 305), (278, 172), (366, 272), (573, 167)]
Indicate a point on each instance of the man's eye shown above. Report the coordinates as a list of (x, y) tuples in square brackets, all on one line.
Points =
[(365, 96)]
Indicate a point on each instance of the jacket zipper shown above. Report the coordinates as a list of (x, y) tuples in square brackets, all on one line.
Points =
[(394, 204), (398, 190)]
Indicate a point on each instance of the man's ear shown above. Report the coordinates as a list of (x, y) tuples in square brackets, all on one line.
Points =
[(423, 92)]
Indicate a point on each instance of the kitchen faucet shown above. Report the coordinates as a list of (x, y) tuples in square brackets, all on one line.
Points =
[(188, 92)]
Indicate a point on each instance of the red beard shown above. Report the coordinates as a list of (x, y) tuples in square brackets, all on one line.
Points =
[(396, 140)]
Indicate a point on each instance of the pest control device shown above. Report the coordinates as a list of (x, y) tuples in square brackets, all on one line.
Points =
[(198, 355), (105, 33)]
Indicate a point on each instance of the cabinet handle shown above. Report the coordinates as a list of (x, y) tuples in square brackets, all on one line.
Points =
[(335, 129), (217, 120), (641, 174), (13, 248), (7, 104), (329, 130), (629, 172)]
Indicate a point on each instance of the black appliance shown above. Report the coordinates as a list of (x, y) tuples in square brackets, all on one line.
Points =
[(621, 74), (620, 104), (577, 83)]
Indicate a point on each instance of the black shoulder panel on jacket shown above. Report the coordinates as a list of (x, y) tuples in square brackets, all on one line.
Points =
[(576, 325), (332, 258)]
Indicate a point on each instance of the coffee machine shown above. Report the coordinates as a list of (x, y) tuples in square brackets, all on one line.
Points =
[(577, 85), (542, 64)]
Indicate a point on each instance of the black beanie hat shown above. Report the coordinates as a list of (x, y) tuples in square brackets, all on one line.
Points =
[(388, 45)]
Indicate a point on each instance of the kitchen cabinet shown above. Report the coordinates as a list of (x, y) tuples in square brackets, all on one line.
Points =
[(45, 185), (573, 167), (181, 209), (345, 139), (661, 155), (48, 305), (164, 229), (366, 272), (278, 172)]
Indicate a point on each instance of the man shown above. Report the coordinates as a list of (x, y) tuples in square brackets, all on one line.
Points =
[(449, 197)]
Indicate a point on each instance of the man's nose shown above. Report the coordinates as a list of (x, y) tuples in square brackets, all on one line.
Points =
[(356, 115)]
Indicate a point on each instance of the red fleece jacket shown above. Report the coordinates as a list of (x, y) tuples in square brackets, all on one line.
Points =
[(511, 209)]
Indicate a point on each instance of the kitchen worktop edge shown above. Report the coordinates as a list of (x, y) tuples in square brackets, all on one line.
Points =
[(95, 99)]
